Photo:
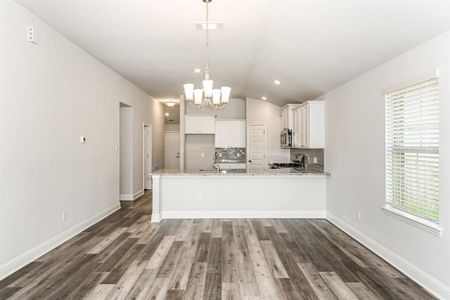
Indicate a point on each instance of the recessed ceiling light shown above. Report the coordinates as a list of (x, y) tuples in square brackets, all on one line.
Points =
[(264, 98), (197, 70), (170, 104), (167, 114), (210, 25), (276, 82)]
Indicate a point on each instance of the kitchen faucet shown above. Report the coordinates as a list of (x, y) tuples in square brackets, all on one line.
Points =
[(303, 160), (216, 165)]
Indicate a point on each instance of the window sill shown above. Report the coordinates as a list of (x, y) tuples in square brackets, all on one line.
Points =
[(413, 220)]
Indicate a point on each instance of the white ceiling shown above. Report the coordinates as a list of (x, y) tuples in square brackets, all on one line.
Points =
[(312, 46)]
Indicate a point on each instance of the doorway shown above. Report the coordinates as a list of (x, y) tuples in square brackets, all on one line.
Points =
[(171, 149), (147, 159), (126, 152), (257, 147)]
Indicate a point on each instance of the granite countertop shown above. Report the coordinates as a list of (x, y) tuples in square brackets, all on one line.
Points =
[(265, 172)]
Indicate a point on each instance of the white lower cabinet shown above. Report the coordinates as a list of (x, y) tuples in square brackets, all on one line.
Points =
[(230, 134), (309, 125), (197, 124)]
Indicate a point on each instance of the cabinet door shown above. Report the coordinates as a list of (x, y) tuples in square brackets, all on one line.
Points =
[(192, 124), (284, 118), (316, 124), (237, 134), (295, 127), (230, 134), (208, 125), (305, 127), (200, 124), (221, 137)]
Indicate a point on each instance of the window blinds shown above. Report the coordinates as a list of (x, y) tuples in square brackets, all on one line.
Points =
[(412, 149)]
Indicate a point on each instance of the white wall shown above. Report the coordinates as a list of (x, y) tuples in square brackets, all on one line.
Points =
[(235, 109), (51, 94), (172, 127), (126, 150), (355, 157), (262, 112), (199, 151)]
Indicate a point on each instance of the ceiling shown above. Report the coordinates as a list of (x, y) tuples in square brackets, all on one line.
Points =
[(311, 46)]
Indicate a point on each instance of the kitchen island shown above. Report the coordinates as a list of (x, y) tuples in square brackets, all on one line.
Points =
[(279, 193)]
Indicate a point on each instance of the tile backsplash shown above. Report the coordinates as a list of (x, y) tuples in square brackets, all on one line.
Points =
[(311, 154), (231, 155)]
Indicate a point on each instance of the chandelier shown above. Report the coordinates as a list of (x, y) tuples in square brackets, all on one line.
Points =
[(213, 98)]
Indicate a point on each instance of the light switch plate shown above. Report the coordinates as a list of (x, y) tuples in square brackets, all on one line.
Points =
[(32, 35), (82, 140)]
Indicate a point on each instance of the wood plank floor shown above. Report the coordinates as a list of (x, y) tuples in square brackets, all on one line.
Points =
[(126, 257)]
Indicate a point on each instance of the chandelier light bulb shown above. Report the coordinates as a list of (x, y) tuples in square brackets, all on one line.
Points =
[(208, 87), (225, 94), (216, 96), (189, 91), (198, 96)]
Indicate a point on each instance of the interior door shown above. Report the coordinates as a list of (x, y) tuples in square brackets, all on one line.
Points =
[(257, 148), (172, 150), (147, 157)]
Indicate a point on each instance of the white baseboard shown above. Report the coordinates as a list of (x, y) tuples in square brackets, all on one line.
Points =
[(126, 197), (239, 214), (428, 282), (155, 218), (22, 260), (131, 197)]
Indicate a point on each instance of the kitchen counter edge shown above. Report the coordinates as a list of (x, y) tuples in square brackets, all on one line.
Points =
[(290, 172)]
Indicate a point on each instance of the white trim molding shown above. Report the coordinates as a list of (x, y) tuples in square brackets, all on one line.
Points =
[(155, 218), (428, 282), (239, 214), (34, 253), (413, 220), (131, 197)]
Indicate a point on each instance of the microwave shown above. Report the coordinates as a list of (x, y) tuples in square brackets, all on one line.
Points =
[(286, 138)]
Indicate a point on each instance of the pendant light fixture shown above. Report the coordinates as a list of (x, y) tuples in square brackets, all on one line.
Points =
[(213, 98)]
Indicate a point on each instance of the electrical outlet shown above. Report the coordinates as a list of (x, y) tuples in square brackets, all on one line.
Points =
[(199, 199), (359, 216), (64, 215)]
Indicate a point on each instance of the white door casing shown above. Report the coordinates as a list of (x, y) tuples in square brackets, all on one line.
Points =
[(147, 157), (171, 149), (257, 147)]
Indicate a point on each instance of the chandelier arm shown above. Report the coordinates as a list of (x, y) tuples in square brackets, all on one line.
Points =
[(197, 106)]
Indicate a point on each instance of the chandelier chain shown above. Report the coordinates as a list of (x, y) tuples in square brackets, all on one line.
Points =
[(207, 42)]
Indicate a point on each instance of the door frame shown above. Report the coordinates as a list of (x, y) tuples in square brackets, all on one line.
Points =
[(248, 140), (144, 176)]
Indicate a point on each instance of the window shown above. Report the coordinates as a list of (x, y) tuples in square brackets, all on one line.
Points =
[(412, 151)]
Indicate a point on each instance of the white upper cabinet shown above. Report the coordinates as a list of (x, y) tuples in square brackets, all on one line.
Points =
[(230, 134), (196, 124), (287, 116), (309, 125)]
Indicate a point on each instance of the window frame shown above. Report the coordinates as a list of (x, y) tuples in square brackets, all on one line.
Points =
[(417, 221)]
